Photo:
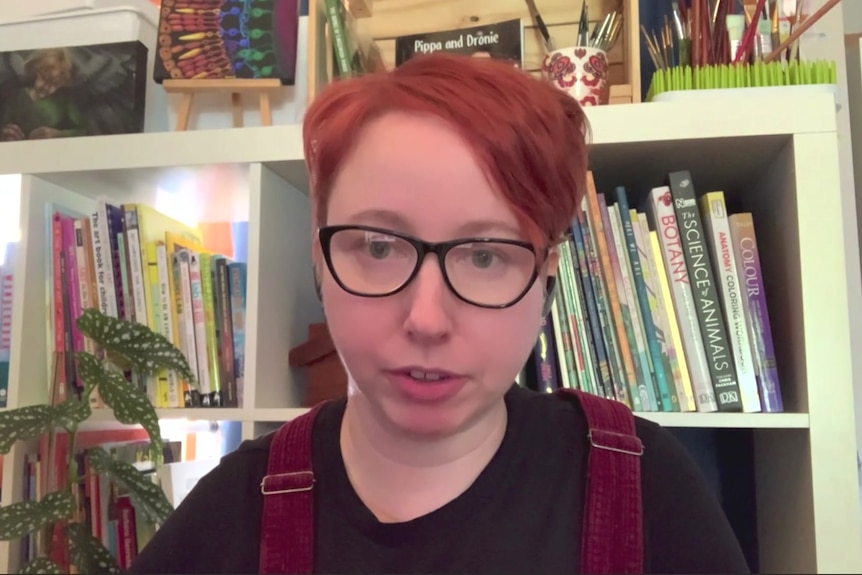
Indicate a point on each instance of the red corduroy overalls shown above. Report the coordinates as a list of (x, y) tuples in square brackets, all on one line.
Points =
[(613, 529)]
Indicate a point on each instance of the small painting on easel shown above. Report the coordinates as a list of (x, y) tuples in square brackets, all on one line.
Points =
[(226, 39), (63, 92)]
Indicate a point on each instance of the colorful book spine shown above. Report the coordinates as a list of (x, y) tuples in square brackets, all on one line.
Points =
[(700, 270), (747, 257), (661, 379), (714, 216), (629, 309), (237, 272), (662, 218)]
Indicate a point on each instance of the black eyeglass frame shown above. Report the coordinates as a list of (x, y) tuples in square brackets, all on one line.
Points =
[(423, 248)]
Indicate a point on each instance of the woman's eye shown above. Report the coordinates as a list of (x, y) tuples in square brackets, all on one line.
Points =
[(482, 258), (379, 250)]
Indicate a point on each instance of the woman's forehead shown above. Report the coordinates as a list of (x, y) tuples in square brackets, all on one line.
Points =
[(412, 171)]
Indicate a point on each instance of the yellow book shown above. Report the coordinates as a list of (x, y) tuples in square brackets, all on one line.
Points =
[(154, 319), (686, 394), (153, 227), (212, 343), (181, 319)]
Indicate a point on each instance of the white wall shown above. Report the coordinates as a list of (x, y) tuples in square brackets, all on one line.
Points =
[(853, 31), (825, 40), (852, 16)]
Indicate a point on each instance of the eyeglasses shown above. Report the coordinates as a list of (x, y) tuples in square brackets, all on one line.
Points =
[(376, 262)]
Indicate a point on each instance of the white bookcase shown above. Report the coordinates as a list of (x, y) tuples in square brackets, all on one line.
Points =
[(776, 157)]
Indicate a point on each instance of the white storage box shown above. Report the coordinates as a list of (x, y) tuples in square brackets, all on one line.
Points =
[(87, 25)]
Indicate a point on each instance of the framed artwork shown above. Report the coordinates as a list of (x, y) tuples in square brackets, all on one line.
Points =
[(227, 39), (71, 91)]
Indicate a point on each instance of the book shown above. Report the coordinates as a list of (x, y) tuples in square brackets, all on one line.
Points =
[(503, 40)]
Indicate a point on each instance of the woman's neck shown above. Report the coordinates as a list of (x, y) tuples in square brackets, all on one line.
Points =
[(400, 477)]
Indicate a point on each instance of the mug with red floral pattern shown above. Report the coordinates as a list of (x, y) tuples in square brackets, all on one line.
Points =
[(581, 71)]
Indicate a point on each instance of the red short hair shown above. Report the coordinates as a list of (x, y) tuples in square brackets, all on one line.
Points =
[(529, 136)]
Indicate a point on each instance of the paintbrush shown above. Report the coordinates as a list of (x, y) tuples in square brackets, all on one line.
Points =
[(808, 23), (540, 24), (584, 26)]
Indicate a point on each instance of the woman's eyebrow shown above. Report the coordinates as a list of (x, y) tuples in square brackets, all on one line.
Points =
[(391, 219)]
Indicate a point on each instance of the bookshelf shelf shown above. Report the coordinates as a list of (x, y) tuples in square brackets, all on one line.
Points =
[(142, 160), (777, 159), (621, 134), (104, 417), (730, 420)]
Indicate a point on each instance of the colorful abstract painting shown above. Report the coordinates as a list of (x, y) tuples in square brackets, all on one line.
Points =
[(226, 39)]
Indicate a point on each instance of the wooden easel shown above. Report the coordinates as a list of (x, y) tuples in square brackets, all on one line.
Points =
[(235, 87)]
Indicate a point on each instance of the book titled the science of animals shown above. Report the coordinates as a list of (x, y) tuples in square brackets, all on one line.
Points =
[(502, 40)]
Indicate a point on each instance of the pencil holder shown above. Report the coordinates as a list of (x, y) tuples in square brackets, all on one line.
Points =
[(580, 71)]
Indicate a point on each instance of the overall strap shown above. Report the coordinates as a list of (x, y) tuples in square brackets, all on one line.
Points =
[(287, 525), (613, 523)]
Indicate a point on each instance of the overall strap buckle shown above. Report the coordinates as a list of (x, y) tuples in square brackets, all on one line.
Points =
[(293, 482)]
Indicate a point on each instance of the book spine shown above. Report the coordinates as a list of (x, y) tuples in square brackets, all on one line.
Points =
[(600, 375), (225, 333), (628, 305), (57, 259), (179, 311), (661, 330), (661, 380), (196, 281), (104, 270), (625, 372), (335, 18), (572, 303), (544, 353), (216, 397), (714, 216), (136, 266), (70, 248), (707, 306), (662, 218), (684, 391), (606, 331), (158, 380), (190, 344), (83, 259), (237, 272), (115, 229), (747, 259), (167, 325), (562, 340)]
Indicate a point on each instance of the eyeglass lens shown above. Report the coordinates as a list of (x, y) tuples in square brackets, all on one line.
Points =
[(487, 272)]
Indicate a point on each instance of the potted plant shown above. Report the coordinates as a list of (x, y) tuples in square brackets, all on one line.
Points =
[(122, 346)]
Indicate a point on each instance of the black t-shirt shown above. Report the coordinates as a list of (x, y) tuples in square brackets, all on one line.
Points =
[(521, 515)]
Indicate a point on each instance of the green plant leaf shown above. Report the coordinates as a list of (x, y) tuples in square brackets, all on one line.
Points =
[(28, 516), (30, 422), (24, 423), (41, 565), (130, 405), (90, 370), (88, 554), (146, 496), (72, 412), (146, 350)]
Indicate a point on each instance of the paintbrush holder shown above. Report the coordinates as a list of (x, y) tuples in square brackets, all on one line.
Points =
[(581, 72), (759, 75)]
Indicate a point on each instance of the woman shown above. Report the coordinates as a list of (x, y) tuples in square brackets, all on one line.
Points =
[(436, 462)]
